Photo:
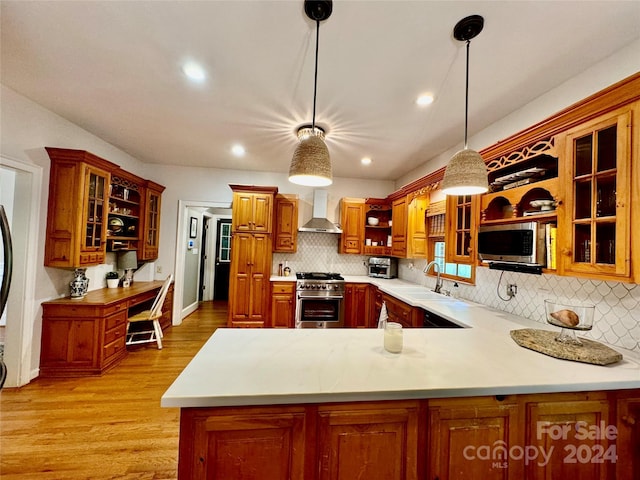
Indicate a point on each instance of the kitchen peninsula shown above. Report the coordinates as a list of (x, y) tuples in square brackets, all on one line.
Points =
[(307, 404)]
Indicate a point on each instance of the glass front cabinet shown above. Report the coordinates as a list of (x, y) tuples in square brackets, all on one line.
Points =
[(596, 216)]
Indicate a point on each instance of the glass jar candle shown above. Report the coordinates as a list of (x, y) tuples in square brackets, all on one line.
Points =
[(393, 337)]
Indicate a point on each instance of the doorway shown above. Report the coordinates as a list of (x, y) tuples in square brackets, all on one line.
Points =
[(185, 209), (223, 259), (20, 193)]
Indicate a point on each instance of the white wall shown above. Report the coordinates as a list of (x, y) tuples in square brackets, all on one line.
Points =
[(620, 65)]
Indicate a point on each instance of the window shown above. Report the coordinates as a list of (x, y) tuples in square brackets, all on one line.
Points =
[(437, 251), (224, 254)]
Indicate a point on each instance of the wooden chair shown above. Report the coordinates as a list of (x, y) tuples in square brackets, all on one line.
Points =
[(144, 327)]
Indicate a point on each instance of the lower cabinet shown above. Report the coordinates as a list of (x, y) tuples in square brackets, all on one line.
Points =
[(247, 444), (628, 431), (283, 304), (571, 430), (585, 436), (368, 441), (356, 305), (402, 313), (468, 439)]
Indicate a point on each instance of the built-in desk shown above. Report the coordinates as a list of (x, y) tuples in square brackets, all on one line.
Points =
[(87, 336)]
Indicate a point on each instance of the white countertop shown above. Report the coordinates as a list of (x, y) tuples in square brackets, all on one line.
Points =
[(285, 366)]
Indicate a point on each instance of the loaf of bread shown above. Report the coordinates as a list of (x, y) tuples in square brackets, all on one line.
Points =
[(567, 317)]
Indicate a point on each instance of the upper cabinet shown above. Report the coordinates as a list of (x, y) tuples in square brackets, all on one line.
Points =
[(151, 222), (252, 208), (78, 209), (520, 183), (126, 197), (377, 227), (577, 175), (596, 217), (96, 207), (418, 202), (285, 230), (461, 235), (352, 211), (399, 227)]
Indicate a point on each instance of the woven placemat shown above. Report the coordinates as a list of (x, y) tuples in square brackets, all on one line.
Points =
[(543, 341)]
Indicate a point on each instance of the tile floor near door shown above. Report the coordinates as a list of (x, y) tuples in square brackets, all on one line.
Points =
[(109, 427)]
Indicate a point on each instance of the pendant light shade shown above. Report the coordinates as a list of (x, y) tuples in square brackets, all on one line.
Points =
[(311, 163), (466, 173)]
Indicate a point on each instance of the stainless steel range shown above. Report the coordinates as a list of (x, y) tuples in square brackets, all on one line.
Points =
[(319, 300)]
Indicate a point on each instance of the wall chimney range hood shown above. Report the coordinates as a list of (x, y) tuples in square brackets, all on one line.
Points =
[(319, 223)]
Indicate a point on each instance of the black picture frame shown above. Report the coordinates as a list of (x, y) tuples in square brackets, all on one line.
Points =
[(193, 228)]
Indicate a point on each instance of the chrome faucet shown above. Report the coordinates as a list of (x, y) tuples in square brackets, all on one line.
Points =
[(436, 266)]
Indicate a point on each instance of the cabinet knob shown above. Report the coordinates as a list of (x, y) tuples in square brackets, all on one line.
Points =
[(566, 252)]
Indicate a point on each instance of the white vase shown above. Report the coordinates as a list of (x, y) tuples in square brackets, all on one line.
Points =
[(113, 282)]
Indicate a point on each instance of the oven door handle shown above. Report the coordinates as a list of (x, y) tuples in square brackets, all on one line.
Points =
[(327, 297)]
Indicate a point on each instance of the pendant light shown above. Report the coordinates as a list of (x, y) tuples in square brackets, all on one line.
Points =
[(466, 173), (311, 164)]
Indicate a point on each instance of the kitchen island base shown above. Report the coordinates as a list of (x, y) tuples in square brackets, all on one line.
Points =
[(581, 435)]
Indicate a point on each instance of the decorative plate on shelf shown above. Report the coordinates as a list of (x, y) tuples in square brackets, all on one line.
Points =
[(543, 205)]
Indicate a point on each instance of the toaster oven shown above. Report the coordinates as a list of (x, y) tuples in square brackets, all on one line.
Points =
[(383, 267)]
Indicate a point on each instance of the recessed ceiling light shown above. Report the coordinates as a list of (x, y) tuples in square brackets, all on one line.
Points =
[(425, 99), (194, 71), (238, 150), (365, 161)]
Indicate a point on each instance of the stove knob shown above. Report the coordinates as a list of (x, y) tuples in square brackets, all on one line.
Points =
[(324, 287)]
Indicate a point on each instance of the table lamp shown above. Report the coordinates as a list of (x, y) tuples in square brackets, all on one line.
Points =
[(127, 261)]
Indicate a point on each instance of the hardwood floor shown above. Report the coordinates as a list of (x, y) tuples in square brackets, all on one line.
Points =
[(109, 427)]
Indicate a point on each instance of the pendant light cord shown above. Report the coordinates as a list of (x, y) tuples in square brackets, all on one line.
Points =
[(315, 78), (466, 98)]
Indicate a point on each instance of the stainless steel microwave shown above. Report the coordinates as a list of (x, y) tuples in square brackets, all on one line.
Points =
[(516, 242)]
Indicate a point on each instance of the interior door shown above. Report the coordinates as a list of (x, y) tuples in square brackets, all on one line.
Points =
[(223, 259)]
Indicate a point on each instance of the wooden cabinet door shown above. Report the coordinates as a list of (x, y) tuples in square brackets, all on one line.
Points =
[(399, 228), (77, 209), (356, 305), (251, 212), (628, 431), (240, 277), (375, 305), (249, 279), (285, 230), (368, 441), (254, 444), (151, 222), (260, 274), (461, 431), (417, 226), (283, 304), (595, 218), (461, 235), (558, 428), (70, 343), (352, 238)]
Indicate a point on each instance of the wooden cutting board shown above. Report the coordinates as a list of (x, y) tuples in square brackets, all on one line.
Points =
[(543, 341)]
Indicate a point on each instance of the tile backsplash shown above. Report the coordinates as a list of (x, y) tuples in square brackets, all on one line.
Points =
[(617, 313), (318, 252)]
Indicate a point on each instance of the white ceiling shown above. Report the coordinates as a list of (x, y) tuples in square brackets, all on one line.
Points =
[(114, 68)]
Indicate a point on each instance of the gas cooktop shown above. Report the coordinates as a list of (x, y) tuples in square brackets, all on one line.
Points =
[(318, 276)]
